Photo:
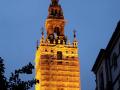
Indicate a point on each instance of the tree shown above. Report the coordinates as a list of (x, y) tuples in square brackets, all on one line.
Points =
[(3, 81), (14, 82)]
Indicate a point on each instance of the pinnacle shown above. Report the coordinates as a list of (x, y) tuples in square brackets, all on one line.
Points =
[(55, 2)]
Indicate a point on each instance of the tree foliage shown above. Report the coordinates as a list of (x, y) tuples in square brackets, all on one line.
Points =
[(3, 81), (15, 82)]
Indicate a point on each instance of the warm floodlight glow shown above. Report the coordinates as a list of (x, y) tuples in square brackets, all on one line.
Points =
[(57, 62)]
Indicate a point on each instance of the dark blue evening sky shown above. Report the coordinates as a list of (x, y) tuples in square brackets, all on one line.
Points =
[(21, 20)]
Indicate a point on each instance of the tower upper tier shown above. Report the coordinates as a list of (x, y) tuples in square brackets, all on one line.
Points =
[(55, 21), (55, 10)]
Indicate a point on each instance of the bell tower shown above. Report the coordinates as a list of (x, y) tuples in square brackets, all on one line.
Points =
[(57, 62), (55, 21)]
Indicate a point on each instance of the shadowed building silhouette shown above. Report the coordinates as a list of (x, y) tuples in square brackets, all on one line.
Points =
[(107, 65)]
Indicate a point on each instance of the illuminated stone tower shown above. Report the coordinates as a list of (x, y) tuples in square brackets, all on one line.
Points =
[(57, 62)]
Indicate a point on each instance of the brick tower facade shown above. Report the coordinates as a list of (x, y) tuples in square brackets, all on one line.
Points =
[(57, 62)]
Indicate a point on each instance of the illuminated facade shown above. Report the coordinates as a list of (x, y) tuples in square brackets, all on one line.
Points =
[(57, 62)]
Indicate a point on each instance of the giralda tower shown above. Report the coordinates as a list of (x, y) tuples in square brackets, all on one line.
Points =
[(57, 62)]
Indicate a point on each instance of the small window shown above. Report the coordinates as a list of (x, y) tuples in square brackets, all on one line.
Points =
[(51, 50), (67, 57), (55, 12), (73, 57), (114, 60), (72, 52), (59, 12), (52, 12), (59, 63), (66, 51), (45, 50), (59, 55), (67, 63)]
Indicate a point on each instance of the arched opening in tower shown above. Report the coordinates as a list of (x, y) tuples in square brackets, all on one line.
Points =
[(57, 31), (59, 55)]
